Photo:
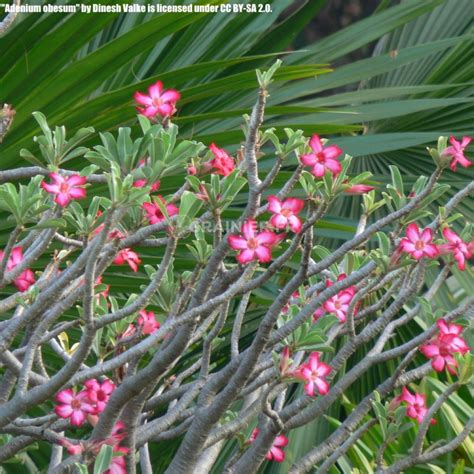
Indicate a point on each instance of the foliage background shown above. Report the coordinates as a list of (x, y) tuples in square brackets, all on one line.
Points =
[(401, 77)]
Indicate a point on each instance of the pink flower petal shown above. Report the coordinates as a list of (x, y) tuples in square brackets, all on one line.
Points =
[(63, 411), (332, 152), (78, 417), (427, 235), (65, 396), (451, 236), (323, 386), (77, 193), (438, 363), (274, 204), (50, 188), (248, 229), (170, 95), (76, 180), (318, 170), (165, 109), (280, 441), (155, 90), (295, 224), (315, 143), (278, 221), (324, 369), (309, 159), (266, 238), (236, 242), (294, 205), (264, 254), (413, 232), (430, 350), (246, 256), (62, 199), (142, 98), (278, 454), (309, 388)]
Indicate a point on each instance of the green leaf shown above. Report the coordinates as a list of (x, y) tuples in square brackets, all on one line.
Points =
[(103, 459)]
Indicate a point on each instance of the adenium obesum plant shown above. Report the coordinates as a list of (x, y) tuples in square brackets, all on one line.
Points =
[(133, 323)]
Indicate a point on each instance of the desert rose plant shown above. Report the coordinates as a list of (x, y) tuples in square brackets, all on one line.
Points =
[(102, 376)]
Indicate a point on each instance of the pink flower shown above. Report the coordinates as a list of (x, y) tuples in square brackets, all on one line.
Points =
[(203, 194), (456, 151), (74, 406), (275, 453), (449, 334), (313, 373), (27, 277), (253, 245), (323, 159), (441, 348), (339, 303), (129, 332), (104, 293), (416, 405), (140, 183), (128, 256), (72, 449), (457, 247), (359, 189), (148, 322), (419, 244), (295, 298), (118, 433), (118, 465), (153, 211), (285, 213), (99, 393), (222, 162), (66, 188), (157, 102)]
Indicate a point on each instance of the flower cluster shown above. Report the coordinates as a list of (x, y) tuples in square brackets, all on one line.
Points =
[(338, 305), (154, 214), (27, 277), (117, 464), (91, 400), (146, 324), (460, 250), (124, 256), (419, 244), (440, 350), (285, 213), (222, 163), (255, 245), (442, 347)]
